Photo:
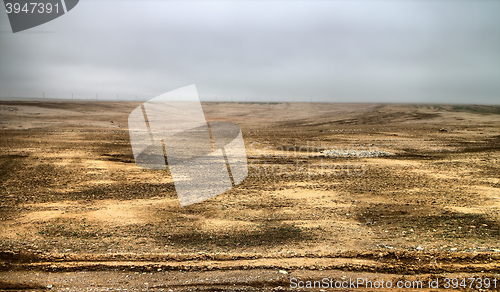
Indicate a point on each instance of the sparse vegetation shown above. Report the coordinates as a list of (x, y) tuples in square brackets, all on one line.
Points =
[(73, 189)]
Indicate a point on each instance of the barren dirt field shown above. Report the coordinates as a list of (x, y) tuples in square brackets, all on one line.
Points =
[(77, 214)]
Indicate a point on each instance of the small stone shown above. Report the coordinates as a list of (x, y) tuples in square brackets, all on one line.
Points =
[(283, 272), (420, 248), (50, 286)]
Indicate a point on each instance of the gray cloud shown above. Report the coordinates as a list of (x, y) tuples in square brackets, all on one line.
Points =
[(342, 51)]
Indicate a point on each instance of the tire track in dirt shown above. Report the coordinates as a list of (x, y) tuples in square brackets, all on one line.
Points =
[(377, 261)]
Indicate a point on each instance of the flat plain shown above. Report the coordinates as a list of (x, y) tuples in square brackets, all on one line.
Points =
[(77, 213)]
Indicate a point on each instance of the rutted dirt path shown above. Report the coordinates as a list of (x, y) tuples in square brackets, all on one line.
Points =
[(375, 261), (242, 272)]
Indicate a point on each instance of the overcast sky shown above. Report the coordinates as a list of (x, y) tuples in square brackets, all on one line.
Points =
[(339, 51)]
